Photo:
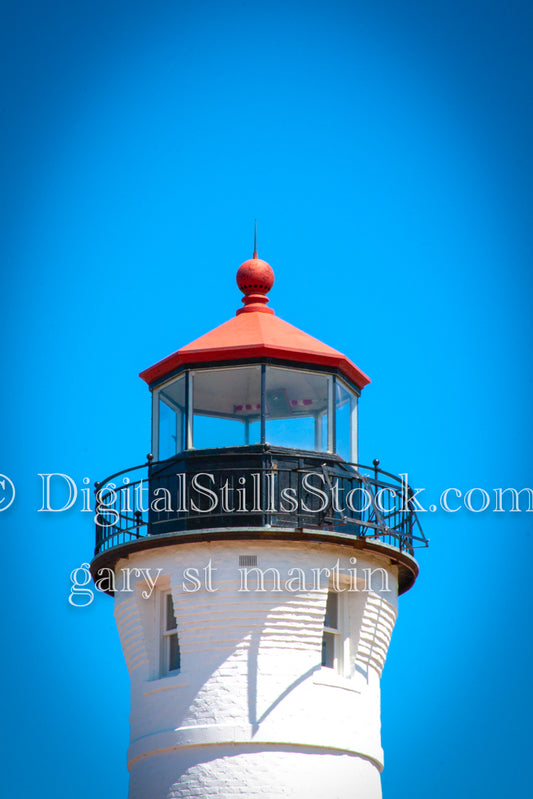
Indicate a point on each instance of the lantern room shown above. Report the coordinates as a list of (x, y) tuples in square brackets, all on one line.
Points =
[(254, 432), (260, 403), (255, 380)]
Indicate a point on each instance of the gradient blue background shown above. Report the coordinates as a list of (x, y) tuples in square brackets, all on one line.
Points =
[(385, 149)]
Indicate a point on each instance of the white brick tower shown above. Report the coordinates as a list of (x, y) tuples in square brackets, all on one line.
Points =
[(256, 568)]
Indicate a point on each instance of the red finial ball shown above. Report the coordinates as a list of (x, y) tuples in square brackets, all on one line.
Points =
[(255, 277)]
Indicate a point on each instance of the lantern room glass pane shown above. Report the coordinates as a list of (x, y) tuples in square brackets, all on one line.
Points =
[(226, 407), (345, 422), (172, 418), (296, 408)]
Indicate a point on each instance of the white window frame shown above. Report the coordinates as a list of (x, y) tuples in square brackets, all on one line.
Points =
[(340, 633), (166, 634)]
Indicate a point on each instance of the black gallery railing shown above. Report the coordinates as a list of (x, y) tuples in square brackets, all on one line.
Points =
[(257, 486)]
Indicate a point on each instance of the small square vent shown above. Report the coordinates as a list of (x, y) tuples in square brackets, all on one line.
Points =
[(247, 560)]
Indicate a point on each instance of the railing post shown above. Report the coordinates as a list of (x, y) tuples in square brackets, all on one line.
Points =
[(98, 542)]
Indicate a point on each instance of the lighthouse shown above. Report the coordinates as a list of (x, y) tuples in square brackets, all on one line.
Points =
[(255, 566)]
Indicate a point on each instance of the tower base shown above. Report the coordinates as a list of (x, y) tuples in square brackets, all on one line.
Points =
[(244, 772)]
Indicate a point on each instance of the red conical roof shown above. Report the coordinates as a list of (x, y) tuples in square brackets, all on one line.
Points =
[(256, 333)]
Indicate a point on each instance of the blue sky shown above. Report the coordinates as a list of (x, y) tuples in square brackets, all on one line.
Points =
[(385, 150)]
